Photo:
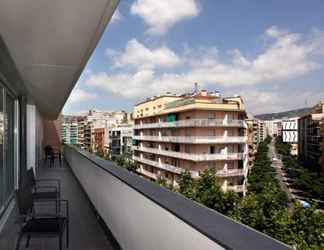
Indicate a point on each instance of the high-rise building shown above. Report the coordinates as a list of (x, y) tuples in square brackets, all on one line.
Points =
[(192, 132), (309, 136), (290, 133)]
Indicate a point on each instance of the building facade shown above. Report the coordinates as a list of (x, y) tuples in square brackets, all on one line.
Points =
[(273, 127), (322, 145), (310, 137), (290, 133), (69, 132), (192, 132), (121, 139)]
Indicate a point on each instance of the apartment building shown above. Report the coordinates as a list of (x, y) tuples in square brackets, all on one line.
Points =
[(273, 127), (322, 145), (253, 138), (193, 132), (87, 135), (69, 132), (290, 133), (99, 124), (262, 131), (120, 139), (81, 126), (310, 137)]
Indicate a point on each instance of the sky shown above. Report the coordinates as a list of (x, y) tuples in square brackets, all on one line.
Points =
[(269, 52)]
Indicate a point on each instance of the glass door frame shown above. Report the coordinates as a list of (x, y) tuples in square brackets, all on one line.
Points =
[(5, 91)]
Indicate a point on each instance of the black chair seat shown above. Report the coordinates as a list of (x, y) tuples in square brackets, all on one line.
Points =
[(44, 225), (46, 196)]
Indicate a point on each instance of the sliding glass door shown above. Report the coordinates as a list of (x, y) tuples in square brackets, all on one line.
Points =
[(7, 147), (2, 179)]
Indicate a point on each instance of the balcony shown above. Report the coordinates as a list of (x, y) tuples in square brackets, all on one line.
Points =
[(236, 188), (85, 230), (136, 213), (160, 165), (194, 139), (220, 173), (192, 156), (194, 123)]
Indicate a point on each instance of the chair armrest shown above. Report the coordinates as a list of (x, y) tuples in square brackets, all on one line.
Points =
[(57, 181), (38, 188), (58, 212)]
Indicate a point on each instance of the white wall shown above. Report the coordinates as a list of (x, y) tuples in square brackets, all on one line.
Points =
[(34, 136), (136, 222)]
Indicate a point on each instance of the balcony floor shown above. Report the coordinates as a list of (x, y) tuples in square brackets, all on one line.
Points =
[(85, 230)]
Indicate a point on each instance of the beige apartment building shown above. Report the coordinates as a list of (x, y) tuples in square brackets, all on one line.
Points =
[(193, 132)]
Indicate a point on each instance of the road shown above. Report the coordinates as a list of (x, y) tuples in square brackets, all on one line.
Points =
[(277, 165)]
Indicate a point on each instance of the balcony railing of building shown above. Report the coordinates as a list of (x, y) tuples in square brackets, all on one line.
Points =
[(160, 165), (236, 188), (193, 139), (141, 215), (194, 174), (191, 156), (193, 123)]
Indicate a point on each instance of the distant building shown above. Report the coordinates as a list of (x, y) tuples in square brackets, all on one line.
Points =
[(193, 132), (69, 132), (310, 137), (290, 133), (256, 134), (120, 139), (100, 142), (322, 144), (273, 127)]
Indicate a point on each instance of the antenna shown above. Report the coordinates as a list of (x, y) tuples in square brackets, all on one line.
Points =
[(196, 88)]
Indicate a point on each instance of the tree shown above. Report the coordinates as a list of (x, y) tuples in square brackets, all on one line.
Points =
[(187, 185)]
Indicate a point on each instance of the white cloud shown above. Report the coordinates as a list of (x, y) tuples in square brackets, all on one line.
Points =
[(286, 56), (80, 95), (116, 17), (137, 55), (142, 83), (161, 15)]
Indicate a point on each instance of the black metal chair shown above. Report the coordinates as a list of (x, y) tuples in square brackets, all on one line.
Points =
[(34, 226), (43, 189), (51, 155)]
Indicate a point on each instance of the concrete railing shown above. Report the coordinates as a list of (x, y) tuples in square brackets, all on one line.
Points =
[(193, 123), (191, 156), (160, 165), (193, 139), (142, 215)]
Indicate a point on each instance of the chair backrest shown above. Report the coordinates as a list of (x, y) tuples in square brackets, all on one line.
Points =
[(31, 177), (24, 199), (48, 150)]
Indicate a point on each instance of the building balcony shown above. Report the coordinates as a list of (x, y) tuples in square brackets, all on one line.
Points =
[(236, 188), (192, 156), (194, 123), (224, 173), (160, 165), (102, 195), (195, 139)]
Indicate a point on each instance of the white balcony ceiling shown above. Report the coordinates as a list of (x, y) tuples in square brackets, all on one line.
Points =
[(50, 42)]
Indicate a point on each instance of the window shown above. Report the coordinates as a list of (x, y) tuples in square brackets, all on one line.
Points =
[(7, 147)]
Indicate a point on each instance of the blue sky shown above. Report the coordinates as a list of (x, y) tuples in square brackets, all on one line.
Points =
[(269, 52)]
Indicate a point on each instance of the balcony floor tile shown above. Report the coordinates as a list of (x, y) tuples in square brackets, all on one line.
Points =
[(85, 231)]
